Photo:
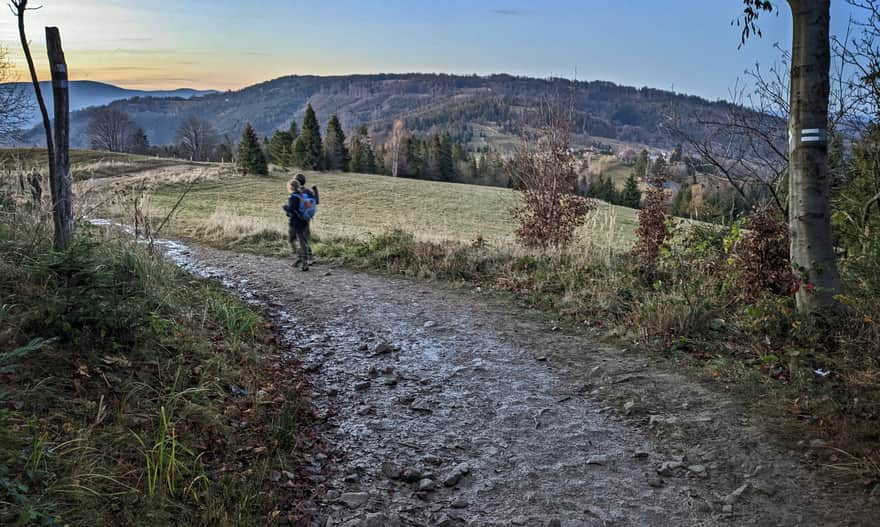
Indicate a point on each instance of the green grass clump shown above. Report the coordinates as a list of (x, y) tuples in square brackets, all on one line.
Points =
[(117, 404)]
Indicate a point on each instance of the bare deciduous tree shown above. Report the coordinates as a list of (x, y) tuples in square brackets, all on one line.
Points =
[(111, 129), (197, 138), (394, 142), (14, 102)]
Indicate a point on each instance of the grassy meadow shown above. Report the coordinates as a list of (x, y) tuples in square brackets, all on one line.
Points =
[(89, 164), (360, 206)]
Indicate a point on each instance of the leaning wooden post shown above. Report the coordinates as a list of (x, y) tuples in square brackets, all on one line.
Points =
[(62, 206)]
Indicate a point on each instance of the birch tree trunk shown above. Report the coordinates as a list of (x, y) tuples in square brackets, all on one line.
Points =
[(812, 251)]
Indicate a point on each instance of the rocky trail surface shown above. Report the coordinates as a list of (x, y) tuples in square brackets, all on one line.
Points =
[(443, 408)]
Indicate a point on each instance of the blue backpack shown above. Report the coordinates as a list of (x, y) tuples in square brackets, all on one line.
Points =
[(307, 206)]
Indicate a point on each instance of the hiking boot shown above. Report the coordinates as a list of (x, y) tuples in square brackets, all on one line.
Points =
[(297, 262), (305, 268)]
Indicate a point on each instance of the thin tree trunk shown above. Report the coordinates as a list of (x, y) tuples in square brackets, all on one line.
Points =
[(20, 10), (812, 251), (62, 186)]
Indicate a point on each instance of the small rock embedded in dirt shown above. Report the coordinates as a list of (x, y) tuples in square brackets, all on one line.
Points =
[(421, 405), (448, 521), (382, 349), (362, 385), (391, 471), (429, 324), (600, 459), (556, 522), (628, 406), (274, 475), (459, 504), (542, 358), (697, 469), (354, 500), (454, 476), (364, 409), (363, 347), (817, 443), (427, 485), (313, 367), (390, 381), (332, 391), (333, 495), (641, 454), (431, 460), (655, 482), (727, 509), (668, 468), (734, 496), (411, 475), (660, 420)]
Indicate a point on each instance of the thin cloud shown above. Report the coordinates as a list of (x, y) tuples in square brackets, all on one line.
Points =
[(508, 12)]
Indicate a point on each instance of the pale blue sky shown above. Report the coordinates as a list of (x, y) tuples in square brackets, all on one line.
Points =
[(688, 45)]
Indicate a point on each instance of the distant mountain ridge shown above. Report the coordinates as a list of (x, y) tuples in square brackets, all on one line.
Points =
[(84, 94), (426, 102)]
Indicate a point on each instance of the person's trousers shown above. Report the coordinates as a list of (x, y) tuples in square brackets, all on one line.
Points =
[(300, 243)]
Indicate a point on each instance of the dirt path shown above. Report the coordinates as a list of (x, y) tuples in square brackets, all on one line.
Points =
[(445, 409)]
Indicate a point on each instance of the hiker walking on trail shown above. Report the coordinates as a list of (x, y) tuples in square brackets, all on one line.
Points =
[(300, 209), (313, 192)]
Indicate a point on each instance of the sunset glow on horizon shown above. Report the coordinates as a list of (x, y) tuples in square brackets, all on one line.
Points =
[(156, 44)]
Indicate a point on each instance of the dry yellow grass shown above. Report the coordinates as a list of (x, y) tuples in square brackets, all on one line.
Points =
[(359, 205)]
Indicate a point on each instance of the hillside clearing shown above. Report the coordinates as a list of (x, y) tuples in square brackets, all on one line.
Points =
[(356, 206)]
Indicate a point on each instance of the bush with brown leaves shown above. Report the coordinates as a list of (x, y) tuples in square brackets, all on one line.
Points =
[(652, 231), (760, 257), (545, 171)]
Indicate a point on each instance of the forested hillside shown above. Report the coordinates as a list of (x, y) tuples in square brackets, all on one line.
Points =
[(427, 102)]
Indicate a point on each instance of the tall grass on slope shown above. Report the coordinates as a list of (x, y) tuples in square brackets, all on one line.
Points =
[(133, 394)]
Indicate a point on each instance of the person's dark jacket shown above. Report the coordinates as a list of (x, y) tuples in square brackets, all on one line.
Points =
[(292, 207)]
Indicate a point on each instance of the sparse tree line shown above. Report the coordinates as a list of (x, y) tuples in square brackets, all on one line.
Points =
[(437, 156)]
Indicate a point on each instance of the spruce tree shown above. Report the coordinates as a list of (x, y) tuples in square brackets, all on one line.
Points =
[(251, 158), (641, 168), (362, 159), (336, 155), (281, 148), (631, 196), (139, 143), (308, 152), (681, 203), (444, 158)]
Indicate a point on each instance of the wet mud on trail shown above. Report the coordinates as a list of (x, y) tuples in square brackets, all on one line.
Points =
[(442, 408)]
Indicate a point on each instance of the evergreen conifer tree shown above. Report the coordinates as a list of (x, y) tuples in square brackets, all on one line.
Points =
[(281, 148), (308, 151), (336, 156), (251, 158), (641, 168), (631, 196), (362, 157), (139, 143)]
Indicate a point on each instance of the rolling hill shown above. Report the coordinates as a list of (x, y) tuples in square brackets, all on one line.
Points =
[(84, 94), (427, 102)]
